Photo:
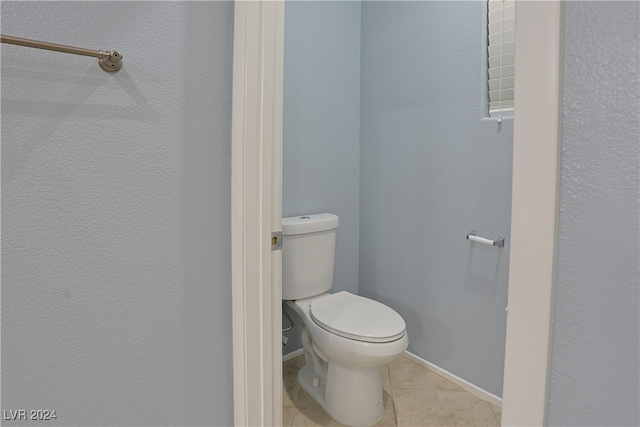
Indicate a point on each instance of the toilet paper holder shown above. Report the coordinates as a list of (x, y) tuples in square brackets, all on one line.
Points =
[(499, 242)]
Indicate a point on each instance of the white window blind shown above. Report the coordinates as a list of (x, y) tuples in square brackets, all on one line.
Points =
[(501, 55)]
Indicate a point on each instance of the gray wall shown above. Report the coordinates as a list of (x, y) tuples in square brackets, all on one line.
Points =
[(321, 126), (595, 360), (116, 296), (431, 170)]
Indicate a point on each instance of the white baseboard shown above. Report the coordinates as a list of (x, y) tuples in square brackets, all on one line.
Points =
[(482, 394), (292, 355)]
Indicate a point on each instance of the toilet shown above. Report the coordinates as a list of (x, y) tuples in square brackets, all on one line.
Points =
[(346, 337)]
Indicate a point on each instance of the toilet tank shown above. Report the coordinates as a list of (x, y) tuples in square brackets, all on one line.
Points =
[(308, 255)]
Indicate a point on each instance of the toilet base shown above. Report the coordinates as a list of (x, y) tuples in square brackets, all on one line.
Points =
[(351, 396)]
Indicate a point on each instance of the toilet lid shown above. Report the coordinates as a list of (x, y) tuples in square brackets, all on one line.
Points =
[(357, 318)]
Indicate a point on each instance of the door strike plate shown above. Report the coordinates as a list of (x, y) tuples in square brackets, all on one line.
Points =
[(276, 240)]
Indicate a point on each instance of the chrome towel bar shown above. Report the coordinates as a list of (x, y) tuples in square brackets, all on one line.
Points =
[(109, 60), (499, 242)]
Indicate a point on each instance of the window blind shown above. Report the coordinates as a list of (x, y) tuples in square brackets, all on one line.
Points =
[(501, 55)]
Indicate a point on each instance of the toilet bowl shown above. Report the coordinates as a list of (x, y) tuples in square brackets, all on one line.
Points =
[(345, 377), (346, 337)]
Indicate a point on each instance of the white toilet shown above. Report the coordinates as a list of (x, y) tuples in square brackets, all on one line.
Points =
[(346, 338)]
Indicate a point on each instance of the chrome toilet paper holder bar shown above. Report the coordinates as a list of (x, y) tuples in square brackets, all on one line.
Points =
[(499, 242)]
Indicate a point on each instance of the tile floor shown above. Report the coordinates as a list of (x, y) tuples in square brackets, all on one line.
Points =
[(413, 395)]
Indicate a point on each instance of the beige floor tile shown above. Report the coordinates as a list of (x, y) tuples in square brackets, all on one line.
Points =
[(290, 368), (309, 413), (427, 408), (413, 397), (288, 412), (409, 375), (497, 411), (291, 390)]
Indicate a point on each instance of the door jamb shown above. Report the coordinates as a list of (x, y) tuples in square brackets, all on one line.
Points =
[(257, 196), (534, 215), (256, 211)]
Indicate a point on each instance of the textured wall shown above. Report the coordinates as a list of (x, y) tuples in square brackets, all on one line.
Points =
[(116, 288), (595, 359), (431, 170), (321, 126)]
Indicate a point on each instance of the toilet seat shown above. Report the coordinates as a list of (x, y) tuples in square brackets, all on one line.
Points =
[(358, 318)]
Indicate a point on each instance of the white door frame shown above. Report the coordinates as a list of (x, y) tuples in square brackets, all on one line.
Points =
[(256, 211), (534, 212), (257, 201)]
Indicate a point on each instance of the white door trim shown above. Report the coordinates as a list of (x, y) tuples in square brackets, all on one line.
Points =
[(256, 211), (536, 154), (257, 194)]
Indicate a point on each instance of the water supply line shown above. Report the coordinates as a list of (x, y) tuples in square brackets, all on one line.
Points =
[(284, 311)]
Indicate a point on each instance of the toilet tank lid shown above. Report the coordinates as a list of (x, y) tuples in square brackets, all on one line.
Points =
[(305, 224)]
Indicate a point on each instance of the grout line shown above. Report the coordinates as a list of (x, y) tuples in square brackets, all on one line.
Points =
[(494, 414), (393, 396), (292, 418), (395, 416)]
